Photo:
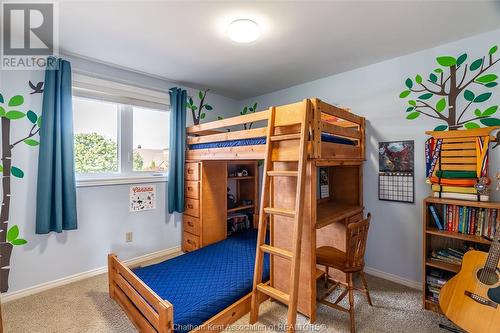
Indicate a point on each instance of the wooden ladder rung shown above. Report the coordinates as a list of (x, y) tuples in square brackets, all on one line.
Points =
[(283, 173), (276, 251), (280, 211), (285, 137), (274, 293)]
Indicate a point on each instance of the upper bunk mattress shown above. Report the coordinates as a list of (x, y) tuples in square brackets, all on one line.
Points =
[(325, 137), (204, 282)]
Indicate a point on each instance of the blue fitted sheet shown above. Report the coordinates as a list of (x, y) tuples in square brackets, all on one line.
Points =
[(325, 137), (204, 282)]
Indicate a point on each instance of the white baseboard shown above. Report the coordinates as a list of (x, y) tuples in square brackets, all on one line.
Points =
[(393, 278), (7, 297)]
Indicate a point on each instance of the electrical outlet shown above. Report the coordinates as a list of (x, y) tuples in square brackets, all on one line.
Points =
[(128, 237)]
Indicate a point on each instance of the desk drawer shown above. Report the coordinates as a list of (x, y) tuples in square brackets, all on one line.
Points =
[(192, 189), (190, 242), (192, 207), (192, 171), (191, 225)]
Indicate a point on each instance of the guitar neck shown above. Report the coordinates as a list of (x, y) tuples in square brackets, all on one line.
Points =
[(494, 254)]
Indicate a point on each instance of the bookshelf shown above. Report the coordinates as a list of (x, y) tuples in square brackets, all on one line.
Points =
[(434, 239)]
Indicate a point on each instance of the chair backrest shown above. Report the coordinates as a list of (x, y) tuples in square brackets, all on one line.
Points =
[(357, 233)]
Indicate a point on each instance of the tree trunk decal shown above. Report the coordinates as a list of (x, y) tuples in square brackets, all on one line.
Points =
[(197, 111), (440, 95), (9, 235)]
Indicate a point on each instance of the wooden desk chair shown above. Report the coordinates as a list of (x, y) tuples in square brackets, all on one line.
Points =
[(349, 262)]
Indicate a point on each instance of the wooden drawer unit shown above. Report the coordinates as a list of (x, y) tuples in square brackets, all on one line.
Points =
[(192, 207), (190, 242), (191, 225), (192, 189), (192, 171)]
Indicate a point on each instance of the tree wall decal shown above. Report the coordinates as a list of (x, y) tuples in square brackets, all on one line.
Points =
[(9, 236), (447, 93), (197, 110)]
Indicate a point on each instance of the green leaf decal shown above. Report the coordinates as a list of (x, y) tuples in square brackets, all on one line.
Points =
[(411, 108), (446, 61), (486, 78), (471, 125), (461, 59), (31, 142), (489, 111), (18, 242), (32, 116), (469, 95), (483, 97), (16, 172), (200, 94), (16, 100), (208, 107), (412, 103), (409, 83), (477, 113), (402, 95), (2, 111), (418, 79), (12, 115), (1, 98), (1, 168), (439, 71), (490, 121), (425, 96), (413, 115), (493, 50), (39, 122), (202, 116), (190, 100), (491, 84), (12, 233), (476, 64), (433, 77), (441, 105), (441, 128)]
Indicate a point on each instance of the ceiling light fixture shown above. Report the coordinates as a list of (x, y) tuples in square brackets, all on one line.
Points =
[(243, 31)]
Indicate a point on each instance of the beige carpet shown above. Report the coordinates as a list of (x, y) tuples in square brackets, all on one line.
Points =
[(85, 307)]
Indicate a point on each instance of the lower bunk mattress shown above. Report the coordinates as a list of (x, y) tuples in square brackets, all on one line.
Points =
[(204, 282), (325, 137)]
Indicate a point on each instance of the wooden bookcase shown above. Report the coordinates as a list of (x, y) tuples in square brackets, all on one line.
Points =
[(434, 238), (246, 187)]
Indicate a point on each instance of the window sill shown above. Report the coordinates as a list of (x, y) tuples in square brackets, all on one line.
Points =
[(92, 182)]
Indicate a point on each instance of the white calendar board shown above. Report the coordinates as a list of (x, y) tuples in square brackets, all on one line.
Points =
[(142, 197)]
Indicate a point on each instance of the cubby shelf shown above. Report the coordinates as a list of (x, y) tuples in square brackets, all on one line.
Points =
[(237, 209), (456, 235)]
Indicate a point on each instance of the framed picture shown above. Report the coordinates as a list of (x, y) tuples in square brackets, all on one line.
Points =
[(396, 181)]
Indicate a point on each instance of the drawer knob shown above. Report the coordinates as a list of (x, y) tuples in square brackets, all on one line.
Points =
[(190, 206), (190, 171), (190, 224), (190, 188)]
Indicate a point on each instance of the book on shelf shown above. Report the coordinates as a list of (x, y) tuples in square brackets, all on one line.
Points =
[(435, 280), (465, 219)]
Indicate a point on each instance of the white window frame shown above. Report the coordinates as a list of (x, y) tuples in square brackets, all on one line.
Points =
[(126, 97)]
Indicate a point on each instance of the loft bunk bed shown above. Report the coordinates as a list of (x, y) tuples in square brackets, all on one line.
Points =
[(335, 150), (335, 134)]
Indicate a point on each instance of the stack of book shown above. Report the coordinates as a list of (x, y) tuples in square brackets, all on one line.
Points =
[(449, 256), (465, 220), (435, 281)]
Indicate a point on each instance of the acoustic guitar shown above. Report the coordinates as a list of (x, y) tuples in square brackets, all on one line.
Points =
[(471, 299)]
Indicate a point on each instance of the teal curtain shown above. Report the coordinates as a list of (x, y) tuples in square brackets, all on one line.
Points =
[(175, 185), (56, 188)]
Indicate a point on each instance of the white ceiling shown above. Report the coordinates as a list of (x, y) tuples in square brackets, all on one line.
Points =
[(185, 41)]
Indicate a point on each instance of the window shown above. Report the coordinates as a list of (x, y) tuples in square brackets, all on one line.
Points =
[(119, 137), (150, 140)]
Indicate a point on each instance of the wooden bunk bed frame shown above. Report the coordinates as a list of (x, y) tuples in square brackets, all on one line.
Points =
[(149, 313), (348, 125)]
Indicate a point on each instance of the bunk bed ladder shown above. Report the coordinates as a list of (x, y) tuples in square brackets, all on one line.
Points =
[(296, 214)]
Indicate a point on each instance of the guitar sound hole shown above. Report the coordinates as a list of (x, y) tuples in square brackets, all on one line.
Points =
[(488, 277)]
